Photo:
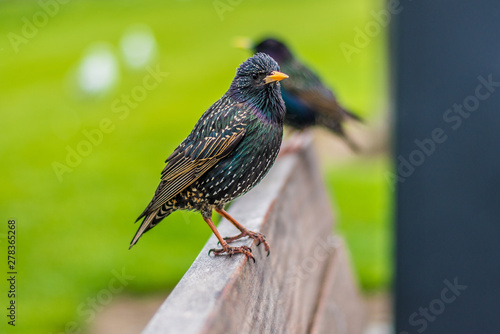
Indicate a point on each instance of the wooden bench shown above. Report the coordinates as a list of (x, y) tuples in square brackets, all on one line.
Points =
[(304, 286)]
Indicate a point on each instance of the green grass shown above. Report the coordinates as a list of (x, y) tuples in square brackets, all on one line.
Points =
[(71, 235), (361, 198)]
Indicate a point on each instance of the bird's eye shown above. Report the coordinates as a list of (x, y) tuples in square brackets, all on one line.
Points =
[(254, 76)]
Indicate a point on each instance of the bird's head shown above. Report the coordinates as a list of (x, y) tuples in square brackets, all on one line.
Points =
[(257, 82), (258, 75), (275, 49)]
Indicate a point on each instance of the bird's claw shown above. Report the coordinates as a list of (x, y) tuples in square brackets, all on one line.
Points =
[(259, 237), (233, 250), (261, 240)]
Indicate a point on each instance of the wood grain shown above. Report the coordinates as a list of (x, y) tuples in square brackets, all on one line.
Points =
[(279, 293)]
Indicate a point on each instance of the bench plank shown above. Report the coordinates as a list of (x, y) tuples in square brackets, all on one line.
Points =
[(277, 294)]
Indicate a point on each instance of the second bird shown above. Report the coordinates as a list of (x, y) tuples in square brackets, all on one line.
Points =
[(308, 101)]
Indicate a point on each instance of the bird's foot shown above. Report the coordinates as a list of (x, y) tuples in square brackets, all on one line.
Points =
[(233, 250), (261, 238)]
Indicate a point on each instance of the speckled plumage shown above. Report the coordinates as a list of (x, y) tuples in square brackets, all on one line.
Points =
[(308, 101), (230, 149)]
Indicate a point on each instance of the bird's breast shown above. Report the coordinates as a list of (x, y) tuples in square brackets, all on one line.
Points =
[(246, 166)]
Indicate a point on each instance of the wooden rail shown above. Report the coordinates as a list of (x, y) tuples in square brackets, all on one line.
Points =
[(304, 286)]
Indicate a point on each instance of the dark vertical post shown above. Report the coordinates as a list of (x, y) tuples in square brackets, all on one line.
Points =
[(446, 82)]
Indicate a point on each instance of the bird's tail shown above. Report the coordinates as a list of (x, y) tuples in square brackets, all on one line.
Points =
[(352, 145), (151, 220), (337, 128), (352, 115)]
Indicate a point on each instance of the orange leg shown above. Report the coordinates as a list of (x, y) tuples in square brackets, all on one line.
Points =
[(225, 247), (244, 232)]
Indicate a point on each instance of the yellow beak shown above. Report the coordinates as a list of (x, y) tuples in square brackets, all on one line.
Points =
[(275, 76)]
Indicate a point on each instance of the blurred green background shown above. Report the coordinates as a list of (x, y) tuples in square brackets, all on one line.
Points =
[(73, 229)]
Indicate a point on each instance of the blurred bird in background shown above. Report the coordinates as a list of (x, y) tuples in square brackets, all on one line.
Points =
[(231, 148), (308, 101)]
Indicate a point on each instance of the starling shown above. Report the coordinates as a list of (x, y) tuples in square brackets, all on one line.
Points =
[(308, 101), (230, 149)]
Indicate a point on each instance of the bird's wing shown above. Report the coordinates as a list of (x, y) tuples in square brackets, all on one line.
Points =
[(308, 87), (192, 159)]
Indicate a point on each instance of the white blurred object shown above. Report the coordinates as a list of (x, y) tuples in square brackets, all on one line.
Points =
[(379, 328), (138, 46), (98, 71)]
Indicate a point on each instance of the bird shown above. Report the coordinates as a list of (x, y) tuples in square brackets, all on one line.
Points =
[(230, 150), (308, 100)]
